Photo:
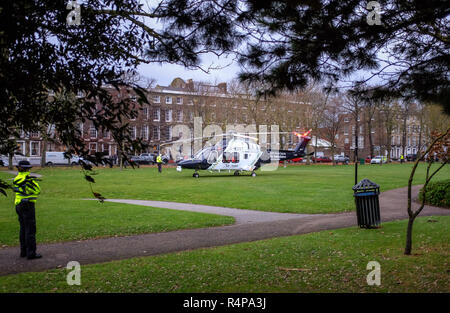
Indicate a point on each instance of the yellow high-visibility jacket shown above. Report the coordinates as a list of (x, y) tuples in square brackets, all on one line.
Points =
[(158, 159), (25, 187)]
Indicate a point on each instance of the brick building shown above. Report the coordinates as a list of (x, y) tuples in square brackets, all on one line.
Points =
[(404, 131), (181, 101)]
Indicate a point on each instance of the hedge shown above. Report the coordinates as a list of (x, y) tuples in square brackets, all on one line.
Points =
[(438, 193)]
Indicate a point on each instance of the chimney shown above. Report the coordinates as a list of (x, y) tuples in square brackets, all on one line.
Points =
[(222, 87), (190, 85)]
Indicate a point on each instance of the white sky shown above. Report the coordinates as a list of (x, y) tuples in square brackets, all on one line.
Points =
[(165, 73)]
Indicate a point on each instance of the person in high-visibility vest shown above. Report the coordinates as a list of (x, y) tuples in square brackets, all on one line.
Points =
[(401, 159), (159, 162), (27, 189)]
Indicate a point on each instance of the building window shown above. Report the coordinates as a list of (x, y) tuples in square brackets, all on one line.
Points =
[(180, 116), (169, 133), (92, 148), (156, 99), (191, 116), (21, 147), (105, 148), (132, 130), (168, 115), (179, 100), (168, 100), (156, 114), (106, 134), (190, 102), (346, 119), (360, 142), (345, 130), (156, 132), (346, 140), (35, 148), (93, 132), (144, 132), (145, 113)]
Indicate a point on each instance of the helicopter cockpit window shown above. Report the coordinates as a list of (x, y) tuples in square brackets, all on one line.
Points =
[(213, 156), (203, 154)]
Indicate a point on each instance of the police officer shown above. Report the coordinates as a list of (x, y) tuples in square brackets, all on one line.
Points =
[(159, 162), (402, 159), (27, 190)]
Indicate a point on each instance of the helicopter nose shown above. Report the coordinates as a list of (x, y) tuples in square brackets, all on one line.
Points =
[(186, 163)]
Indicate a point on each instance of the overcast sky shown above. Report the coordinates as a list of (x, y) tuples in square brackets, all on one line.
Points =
[(165, 73)]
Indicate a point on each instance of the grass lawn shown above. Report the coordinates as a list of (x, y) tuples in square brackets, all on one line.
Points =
[(328, 261), (301, 189), (65, 220), (61, 215)]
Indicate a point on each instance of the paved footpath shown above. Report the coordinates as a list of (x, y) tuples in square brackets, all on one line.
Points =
[(250, 226)]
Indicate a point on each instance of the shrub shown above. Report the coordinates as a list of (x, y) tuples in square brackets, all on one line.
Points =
[(438, 193)]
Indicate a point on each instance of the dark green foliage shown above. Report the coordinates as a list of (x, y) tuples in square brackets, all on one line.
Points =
[(438, 193), (40, 52), (294, 42)]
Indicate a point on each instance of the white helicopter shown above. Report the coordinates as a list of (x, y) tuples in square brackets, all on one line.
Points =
[(240, 154)]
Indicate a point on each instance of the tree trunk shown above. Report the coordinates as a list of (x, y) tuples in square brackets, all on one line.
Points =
[(332, 154), (409, 230), (43, 155), (356, 147), (10, 161), (369, 129)]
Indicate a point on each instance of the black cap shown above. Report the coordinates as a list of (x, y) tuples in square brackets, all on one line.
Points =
[(24, 164)]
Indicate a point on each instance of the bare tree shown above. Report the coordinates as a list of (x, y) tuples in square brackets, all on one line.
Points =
[(388, 119), (440, 145), (369, 109), (313, 115), (332, 123), (405, 109)]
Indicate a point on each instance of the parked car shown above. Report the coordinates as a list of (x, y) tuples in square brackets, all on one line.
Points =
[(411, 157), (297, 160), (321, 159), (58, 158), (136, 159), (4, 161), (341, 158), (378, 159), (147, 158)]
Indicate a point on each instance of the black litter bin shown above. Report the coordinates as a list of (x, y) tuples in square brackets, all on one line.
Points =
[(367, 204)]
